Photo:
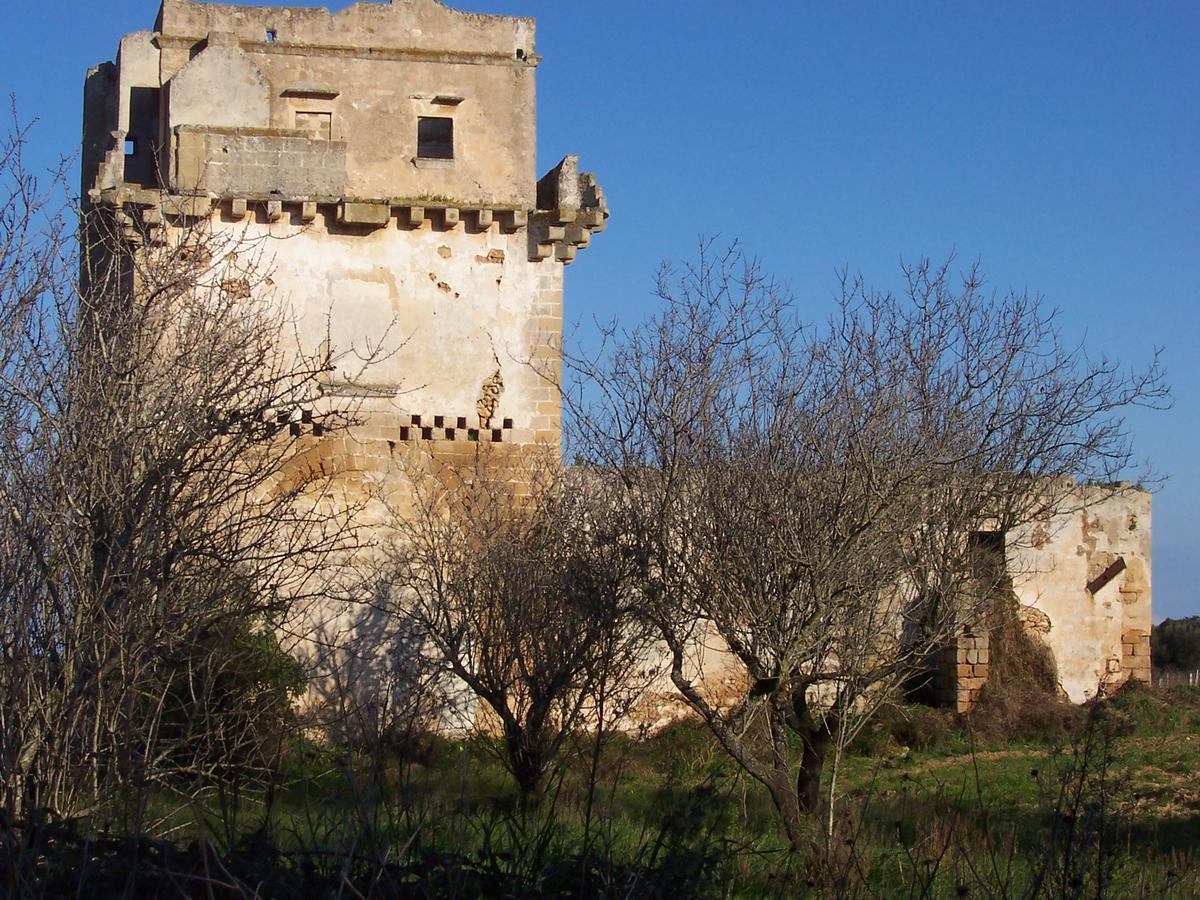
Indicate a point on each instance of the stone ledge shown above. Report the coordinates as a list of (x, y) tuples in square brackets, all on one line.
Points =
[(475, 217)]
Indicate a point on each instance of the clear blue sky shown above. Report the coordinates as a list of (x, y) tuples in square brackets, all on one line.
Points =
[(1057, 142)]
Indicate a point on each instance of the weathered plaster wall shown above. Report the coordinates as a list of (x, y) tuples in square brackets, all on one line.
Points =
[(442, 312), (1083, 579), (222, 88), (358, 657)]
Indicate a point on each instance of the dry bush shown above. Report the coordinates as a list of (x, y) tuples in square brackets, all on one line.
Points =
[(512, 573), (1022, 699), (149, 544)]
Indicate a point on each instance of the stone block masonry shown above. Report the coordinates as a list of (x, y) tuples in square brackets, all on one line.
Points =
[(963, 668), (242, 162)]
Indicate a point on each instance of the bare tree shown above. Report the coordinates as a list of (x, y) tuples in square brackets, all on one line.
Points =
[(511, 569), (151, 536), (808, 495)]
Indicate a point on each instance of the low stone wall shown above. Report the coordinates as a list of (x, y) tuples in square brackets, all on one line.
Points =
[(1135, 655), (250, 161)]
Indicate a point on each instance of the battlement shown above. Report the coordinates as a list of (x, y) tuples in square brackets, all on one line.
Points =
[(412, 26), (407, 99)]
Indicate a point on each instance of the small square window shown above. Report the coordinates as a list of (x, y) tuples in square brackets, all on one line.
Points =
[(435, 137), (130, 146), (271, 35)]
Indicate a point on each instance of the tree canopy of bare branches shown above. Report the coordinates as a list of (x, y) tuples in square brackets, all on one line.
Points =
[(807, 494), (512, 571), (148, 543)]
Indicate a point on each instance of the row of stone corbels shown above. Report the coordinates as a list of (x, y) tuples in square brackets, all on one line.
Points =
[(414, 216), (555, 233), (379, 214), (141, 212), (563, 232)]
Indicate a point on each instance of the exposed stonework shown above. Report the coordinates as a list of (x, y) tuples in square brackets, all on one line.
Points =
[(383, 156), (1082, 579), (489, 397), (963, 671)]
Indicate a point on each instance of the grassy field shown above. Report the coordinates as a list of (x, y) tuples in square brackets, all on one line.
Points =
[(1059, 803)]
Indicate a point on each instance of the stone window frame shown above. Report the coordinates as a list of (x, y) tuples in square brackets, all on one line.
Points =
[(441, 106), (435, 138)]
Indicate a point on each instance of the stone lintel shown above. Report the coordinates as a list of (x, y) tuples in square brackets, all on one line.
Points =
[(363, 213)]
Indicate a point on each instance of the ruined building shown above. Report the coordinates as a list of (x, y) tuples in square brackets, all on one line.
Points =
[(393, 145)]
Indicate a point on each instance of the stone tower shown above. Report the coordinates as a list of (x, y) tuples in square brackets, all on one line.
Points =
[(384, 157), (393, 146)]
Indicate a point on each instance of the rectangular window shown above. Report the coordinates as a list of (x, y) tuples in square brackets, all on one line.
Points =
[(142, 141), (319, 125), (435, 137)]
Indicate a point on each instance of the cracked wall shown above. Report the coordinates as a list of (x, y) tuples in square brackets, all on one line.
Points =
[(1083, 581)]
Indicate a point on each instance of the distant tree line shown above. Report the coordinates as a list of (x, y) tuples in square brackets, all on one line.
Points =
[(1175, 644)]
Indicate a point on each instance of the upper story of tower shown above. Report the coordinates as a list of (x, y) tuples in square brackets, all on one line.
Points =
[(406, 100)]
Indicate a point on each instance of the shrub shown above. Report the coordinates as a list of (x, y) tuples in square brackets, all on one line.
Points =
[(1175, 644), (913, 727), (228, 701)]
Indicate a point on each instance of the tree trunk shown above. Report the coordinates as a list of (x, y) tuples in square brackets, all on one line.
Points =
[(787, 802), (528, 770), (812, 764)]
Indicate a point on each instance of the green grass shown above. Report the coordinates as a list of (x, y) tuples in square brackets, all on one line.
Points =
[(925, 807)]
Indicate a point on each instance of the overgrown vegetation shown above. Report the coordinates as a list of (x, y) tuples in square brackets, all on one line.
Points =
[(802, 496), (933, 809), (1175, 644)]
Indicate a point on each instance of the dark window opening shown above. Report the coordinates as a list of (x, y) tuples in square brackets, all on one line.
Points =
[(520, 54), (987, 557), (271, 35), (435, 137), (142, 142)]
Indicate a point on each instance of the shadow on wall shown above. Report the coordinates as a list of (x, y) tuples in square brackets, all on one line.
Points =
[(373, 681)]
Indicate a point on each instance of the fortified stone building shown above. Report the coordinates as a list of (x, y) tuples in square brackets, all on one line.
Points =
[(390, 148)]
